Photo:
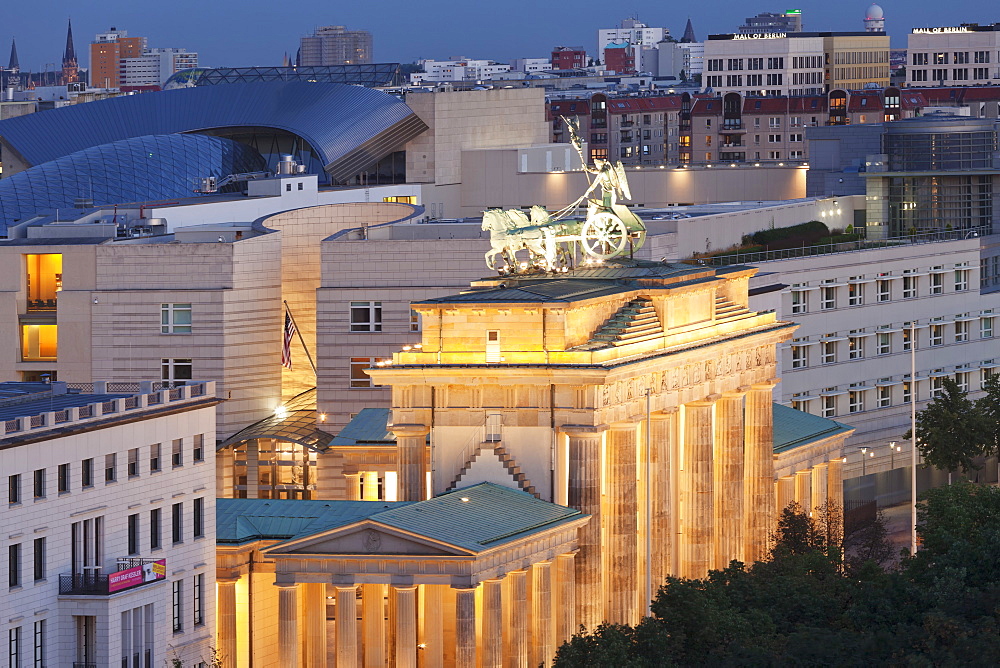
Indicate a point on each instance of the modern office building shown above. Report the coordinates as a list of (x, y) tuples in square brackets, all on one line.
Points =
[(106, 53), (154, 67), (633, 32), (965, 55), (771, 23), (109, 527), (336, 45)]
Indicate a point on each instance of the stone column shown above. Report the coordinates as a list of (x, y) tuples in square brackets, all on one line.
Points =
[(411, 444), (758, 488), (492, 624), (621, 572), (406, 625), (347, 626), (519, 657), (663, 445), (785, 492), (697, 508), (465, 627), (728, 478), (835, 492), (314, 624), (226, 624), (370, 485), (288, 625), (542, 619), (373, 622), (253, 468), (819, 474), (565, 598), (585, 495), (803, 493), (353, 486), (430, 635)]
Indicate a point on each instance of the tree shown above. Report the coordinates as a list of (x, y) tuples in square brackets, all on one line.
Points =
[(951, 431), (989, 410)]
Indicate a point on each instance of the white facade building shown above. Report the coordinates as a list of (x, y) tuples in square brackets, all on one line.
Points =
[(763, 64), (694, 58), (460, 69), (633, 32), (530, 65), (967, 55), (109, 529), (155, 66)]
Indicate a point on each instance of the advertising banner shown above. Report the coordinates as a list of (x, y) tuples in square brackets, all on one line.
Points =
[(133, 577)]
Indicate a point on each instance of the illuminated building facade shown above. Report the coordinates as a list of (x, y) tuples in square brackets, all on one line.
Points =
[(965, 55)]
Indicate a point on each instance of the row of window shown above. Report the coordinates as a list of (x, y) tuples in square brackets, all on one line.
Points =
[(39, 477), (941, 57), (367, 316), (722, 64), (16, 649), (856, 289), (736, 80), (957, 74), (155, 533), (177, 602)]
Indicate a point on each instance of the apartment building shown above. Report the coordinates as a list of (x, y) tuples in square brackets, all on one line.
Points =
[(965, 55), (109, 527), (335, 45), (106, 53)]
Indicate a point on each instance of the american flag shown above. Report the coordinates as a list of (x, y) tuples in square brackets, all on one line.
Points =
[(286, 343)]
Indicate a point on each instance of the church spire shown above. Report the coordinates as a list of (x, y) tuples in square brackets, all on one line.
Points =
[(688, 33), (70, 68), (14, 65)]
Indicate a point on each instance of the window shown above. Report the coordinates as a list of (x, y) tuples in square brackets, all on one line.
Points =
[(855, 292), (154, 457), (909, 286), (416, 324), (982, 56), (40, 644), (755, 63), (199, 599), (829, 349), (39, 559), (920, 58), (177, 523), (986, 328), (883, 345), (133, 534), (936, 335), (884, 396), (856, 347), (63, 478), (940, 59), (14, 489), (87, 546), (199, 448), (829, 406), (961, 331), (87, 472), (176, 600), (177, 453), (199, 518), (907, 333), (39, 483), (14, 565), (937, 383), (884, 290), (939, 74), (110, 467), (962, 380), (800, 357), (14, 647), (828, 298), (176, 371), (937, 284), (774, 122), (360, 379), (366, 316), (774, 139), (855, 401), (154, 529), (133, 462), (961, 280), (175, 318), (799, 301), (775, 63), (795, 137), (907, 392)]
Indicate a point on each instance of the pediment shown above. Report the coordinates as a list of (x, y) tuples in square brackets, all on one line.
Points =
[(369, 538)]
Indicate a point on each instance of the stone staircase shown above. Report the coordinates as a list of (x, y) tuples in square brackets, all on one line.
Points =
[(634, 322), (727, 310), (505, 460)]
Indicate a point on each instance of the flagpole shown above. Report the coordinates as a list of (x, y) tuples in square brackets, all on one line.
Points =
[(301, 340)]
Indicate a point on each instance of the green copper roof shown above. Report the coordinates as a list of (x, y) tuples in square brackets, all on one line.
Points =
[(793, 428), (369, 427), (243, 520)]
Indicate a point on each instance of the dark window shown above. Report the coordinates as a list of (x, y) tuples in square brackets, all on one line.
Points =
[(39, 559), (199, 447), (177, 594), (87, 472), (177, 523), (177, 453), (199, 518), (14, 565), (39, 483), (63, 478), (14, 489), (199, 599), (133, 534), (110, 467), (154, 457), (154, 529), (133, 462)]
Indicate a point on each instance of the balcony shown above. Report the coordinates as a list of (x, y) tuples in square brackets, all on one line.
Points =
[(35, 305), (130, 573)]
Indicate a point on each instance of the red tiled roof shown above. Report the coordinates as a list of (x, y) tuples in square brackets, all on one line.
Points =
[(706, 106), (911, 99), (861, 101), (632, 105), (564, 107)]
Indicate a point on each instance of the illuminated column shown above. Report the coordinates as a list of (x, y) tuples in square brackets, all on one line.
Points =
[(542, 620), (803, 493), (819, 475), (347, 626), (465, 627), (785, 492), (226, 623), (288, 626), (585, 496), (835, 491), (565, 598), (728, 478), (373, 622), (758, 488), (411, 444), (430, 636), (696, 552), (253, 468), (353, 486), (621, 581), (314, 624), (663, 445), (492, 624), (518, 619), (370, 486), (406, 626)]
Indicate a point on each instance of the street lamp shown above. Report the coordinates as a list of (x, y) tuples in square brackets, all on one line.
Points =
[(893, 449), (864, 451)]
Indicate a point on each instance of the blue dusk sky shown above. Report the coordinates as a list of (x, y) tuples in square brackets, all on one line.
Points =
[(259, 32)]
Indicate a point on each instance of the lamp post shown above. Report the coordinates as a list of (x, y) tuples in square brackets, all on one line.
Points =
[(893, 449), (913, 436), (864, 462)]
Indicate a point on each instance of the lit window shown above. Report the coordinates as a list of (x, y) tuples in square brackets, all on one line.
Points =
[(800, 358), (936, 335), (829, 349), (884, 396), (856, 347), (855, 292), (829, 407), (855, 401), (38, 342)]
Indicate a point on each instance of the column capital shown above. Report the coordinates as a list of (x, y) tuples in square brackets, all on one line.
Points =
[(403, 430), (583, 430), (707, 401), (286, 585), (766, 385), (627, 425), (227, 580), (664, 413)]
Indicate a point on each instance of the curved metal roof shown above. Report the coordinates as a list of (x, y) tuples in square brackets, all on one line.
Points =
[(294, 422), (349, 127), (139, 169)]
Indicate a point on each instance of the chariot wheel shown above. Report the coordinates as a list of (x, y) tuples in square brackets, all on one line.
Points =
[(604, 235)]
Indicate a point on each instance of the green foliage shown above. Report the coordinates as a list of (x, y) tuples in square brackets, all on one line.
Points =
[(805, 607), (953, 430), (813, 228)]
